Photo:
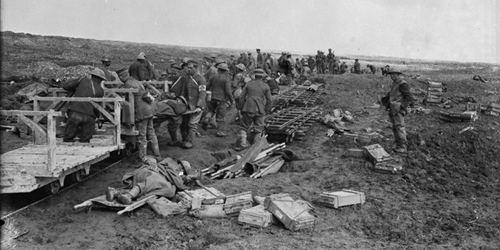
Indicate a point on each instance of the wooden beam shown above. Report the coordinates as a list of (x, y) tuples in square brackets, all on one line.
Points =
[(104, 112), (28, 112), (118, 128), (51, 138), (116, 90), (39, 130), (77, 99)]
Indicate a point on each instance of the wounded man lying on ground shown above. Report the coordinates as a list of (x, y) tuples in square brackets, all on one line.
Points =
[(163, 178)]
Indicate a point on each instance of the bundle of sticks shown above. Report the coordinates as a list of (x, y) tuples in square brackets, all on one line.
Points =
[(254, 162)]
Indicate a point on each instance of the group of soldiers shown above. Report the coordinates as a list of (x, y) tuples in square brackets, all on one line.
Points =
[(250, 85)]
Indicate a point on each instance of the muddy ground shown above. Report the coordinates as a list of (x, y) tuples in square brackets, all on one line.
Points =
[(446, 197)]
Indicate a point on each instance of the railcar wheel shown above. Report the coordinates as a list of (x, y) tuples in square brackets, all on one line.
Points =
[(77, 176), (52, 188)]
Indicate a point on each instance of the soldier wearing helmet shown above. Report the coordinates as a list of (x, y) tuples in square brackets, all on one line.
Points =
[(106, 63), (82, 115)]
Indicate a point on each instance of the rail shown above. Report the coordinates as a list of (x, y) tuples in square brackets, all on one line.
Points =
[(42, 135)]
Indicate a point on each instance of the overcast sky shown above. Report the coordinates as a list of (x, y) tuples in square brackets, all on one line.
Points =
[(457, 30)]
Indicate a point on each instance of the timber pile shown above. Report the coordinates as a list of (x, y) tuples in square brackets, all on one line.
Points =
[(255, 162), (301, 96), (434, 92), (290, 124)]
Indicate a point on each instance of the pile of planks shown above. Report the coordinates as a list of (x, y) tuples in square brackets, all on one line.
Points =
[(254, 162), (290, 124), (434, 92)]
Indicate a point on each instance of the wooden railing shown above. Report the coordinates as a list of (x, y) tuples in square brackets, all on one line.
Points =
[(114, 118), (42, 135)]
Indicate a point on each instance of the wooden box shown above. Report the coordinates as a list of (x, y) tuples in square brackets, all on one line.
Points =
[(257, 216), (294, 215), (377, 153), (208, 197), (387, 167), (491, 113), (354, 152), (279, 197), (235, 203), (341, 198)]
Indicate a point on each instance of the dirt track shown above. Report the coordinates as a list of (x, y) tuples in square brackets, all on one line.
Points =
[(447, 196)]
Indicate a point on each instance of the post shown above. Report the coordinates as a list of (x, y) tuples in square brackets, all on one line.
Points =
[(118, 126), (51, 138), (131, 107)]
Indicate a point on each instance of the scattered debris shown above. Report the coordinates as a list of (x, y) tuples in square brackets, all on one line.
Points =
[(467, 116), (479, 78), (341, 198), (473, 107), (492, 109), (466, 129)]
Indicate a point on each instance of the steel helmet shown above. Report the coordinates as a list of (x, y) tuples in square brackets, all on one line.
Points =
[(141, 56), (187, 167), (223, 66), (105, 59), (99, 73), (241, 66)]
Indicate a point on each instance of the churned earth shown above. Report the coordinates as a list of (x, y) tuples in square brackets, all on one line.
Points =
[(446, 197)]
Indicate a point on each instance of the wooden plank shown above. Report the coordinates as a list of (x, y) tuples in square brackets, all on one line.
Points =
[(104, 112), (77, 99), (28, 112), (118, 128), (51, 137)]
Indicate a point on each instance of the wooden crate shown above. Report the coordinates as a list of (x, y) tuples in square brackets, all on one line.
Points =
[(491, 113), (387, 167), (235, 203), (257, 216), (208, 197), (294, 215), (377, 153), (341, 198), (354, 152)]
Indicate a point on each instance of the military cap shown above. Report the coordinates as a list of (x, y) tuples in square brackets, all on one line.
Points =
[(241, 66), (105, 59), (223, 66), (141, 56), (259, 72)]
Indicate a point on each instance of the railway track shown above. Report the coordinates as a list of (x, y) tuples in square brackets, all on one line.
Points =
[(15, 203)]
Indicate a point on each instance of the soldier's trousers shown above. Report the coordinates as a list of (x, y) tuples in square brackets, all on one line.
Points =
[(77, 120), (398, 128), (147, 134), (252, 120), (189, 126)]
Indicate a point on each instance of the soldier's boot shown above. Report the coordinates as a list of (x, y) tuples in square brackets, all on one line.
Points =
[(206, 121), (112, 193), (155, 147), (127, 197), (241, 141), (143, 148), (174, 140), (188, 142)]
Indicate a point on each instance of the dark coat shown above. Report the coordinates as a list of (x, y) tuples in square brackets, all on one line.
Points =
[(192, 88), (273, 86), (256, 98), (139, 71), (221, 88), (143, 109), (399, 96), (83, 88)]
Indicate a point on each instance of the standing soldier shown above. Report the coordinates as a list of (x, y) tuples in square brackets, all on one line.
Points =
[(172, 71), (357, 67), (82, 115), (191, 86), (250, 63), (319, 63), (330, 58), (220, 86), (396, 102), (106, 62), (255, 103), (312, 63), (260, 60), (143, 113), (139, 69), (268, 64)]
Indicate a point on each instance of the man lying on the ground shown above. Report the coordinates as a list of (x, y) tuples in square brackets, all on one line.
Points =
[(163, 178)]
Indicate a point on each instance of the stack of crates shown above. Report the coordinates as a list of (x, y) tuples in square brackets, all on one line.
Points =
[(434, 92)]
